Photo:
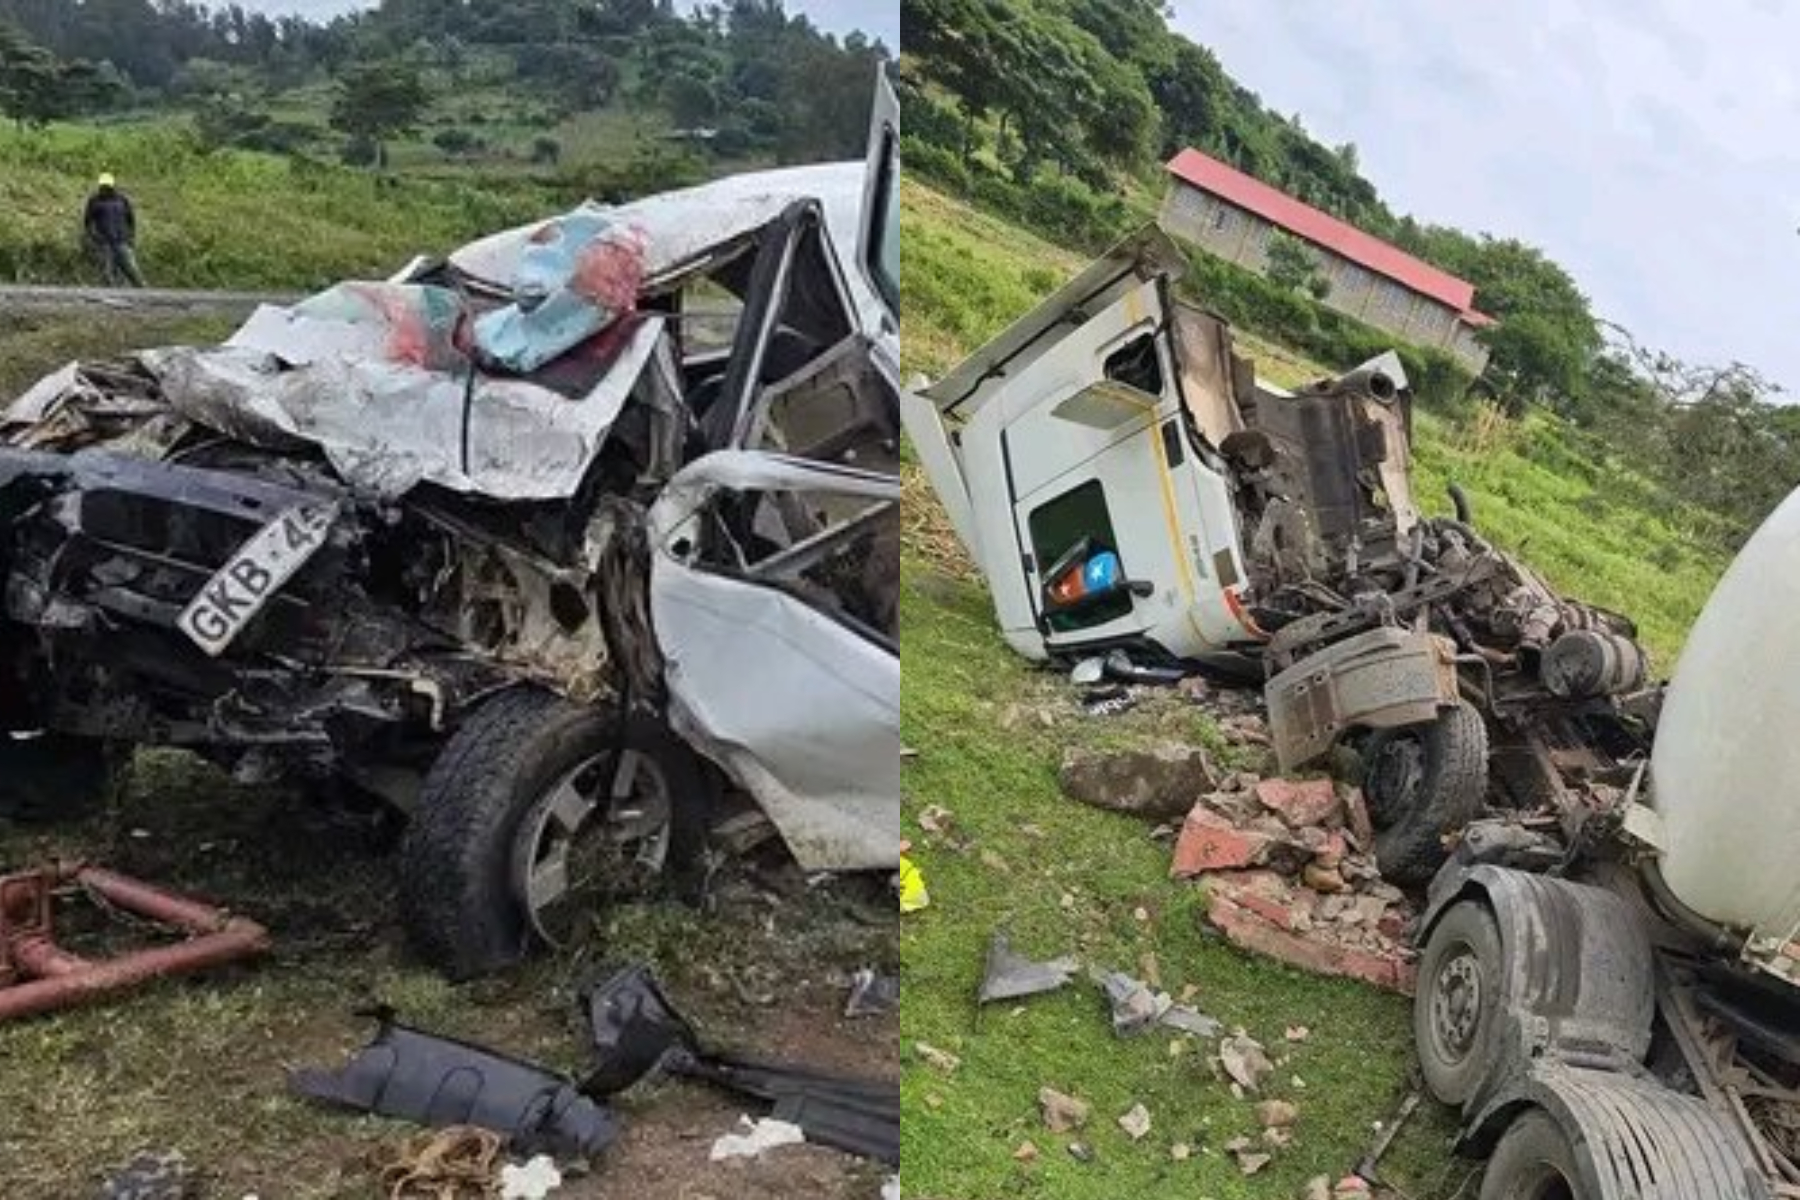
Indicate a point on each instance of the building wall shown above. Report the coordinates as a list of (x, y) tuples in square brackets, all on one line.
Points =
[(1243, 238)]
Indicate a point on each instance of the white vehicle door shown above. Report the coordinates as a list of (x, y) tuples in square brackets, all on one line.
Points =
[(771, 593)]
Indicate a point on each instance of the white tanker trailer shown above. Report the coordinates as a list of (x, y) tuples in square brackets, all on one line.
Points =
[(1615, 1007)]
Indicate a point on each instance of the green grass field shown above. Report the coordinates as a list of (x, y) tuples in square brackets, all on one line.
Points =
[(1062, 878), (232, 218)]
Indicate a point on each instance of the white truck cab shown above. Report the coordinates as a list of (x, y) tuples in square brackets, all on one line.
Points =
[(1080, 457)]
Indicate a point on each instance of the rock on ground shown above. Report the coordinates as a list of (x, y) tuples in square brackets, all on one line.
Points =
[(1161, 781)]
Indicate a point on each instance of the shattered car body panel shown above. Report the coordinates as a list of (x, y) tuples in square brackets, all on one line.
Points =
[(805, 710), (490, 525)]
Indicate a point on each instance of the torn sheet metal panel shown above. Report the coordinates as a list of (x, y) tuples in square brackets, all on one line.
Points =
[(1010, 975), (801, 709), (438, 1081), (387, 426)]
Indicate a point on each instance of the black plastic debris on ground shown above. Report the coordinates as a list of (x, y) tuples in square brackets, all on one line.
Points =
[(872, 994), (636, 1032), (1010, 976), (438, 1081)]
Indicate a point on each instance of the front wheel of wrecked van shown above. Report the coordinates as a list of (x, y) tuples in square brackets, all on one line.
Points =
[(537, 814), (1421, 782)]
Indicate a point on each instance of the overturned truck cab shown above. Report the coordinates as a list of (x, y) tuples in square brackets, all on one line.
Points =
[(1125, 482), (570, 546)]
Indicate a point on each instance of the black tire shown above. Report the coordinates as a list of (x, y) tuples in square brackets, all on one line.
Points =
[(458, 894), (1535, 1160), (57, 777), (1461, 997), (1422, 782)]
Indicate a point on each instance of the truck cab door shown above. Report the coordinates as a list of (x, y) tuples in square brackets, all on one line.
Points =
[(1125, 527)]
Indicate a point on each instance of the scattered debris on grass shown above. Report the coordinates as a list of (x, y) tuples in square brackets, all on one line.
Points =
[(418, 1076), (1276, 1114), (535, 1179), (872, 994), (637, 1033), (1081, 1152), (1062, 1112), (755, 1137), (1027, 1152), (1157, 782), (39, 976), (1249, 1161), (913, 895), (1243, 1059), (1135, 1122), (1136, 1007), (938, 1060), (1011, 976), (458, 1162)]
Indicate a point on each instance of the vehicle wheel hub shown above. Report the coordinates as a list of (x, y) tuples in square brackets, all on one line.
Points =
[(594, 835), (1456, 1004)]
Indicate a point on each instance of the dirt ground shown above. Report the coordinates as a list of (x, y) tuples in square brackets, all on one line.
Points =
[(198, 1066)]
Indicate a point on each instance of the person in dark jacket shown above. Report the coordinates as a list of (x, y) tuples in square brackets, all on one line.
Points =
[(111, 225)]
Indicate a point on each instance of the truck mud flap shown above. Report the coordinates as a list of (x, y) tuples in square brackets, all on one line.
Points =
[(1379, 679), (1634, 1139)]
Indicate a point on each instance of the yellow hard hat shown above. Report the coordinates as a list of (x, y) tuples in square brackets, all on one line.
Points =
[(106, 179)]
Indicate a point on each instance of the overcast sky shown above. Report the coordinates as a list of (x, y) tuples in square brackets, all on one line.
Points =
[(1651, 147), (879, 18)]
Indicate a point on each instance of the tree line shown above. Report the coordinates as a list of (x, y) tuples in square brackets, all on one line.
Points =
[(1053, 110), (745, 77)]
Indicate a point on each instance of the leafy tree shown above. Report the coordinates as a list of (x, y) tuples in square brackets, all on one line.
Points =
[(377, 101), (691, 100), (30, 78), (1294, 265), (456, 142)]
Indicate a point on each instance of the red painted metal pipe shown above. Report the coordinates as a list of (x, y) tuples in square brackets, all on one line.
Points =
[(55, 979)]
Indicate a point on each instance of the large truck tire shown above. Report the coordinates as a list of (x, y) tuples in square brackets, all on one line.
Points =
[(1457, 1007), (1421, 782), (1534, 1161), (519, 794), (57, 777), (1599, 1135)]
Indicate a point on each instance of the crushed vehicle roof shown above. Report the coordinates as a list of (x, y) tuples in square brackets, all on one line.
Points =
[(382, 377)]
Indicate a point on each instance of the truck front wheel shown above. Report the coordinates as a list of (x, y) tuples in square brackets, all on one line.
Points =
[(1421, 782), (1534, 1161), (1461, 993)]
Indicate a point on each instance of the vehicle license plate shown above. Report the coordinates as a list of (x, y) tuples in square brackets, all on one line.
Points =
[(239, 589)]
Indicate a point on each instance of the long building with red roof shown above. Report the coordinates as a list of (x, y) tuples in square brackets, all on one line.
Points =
[(1234, 216)]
